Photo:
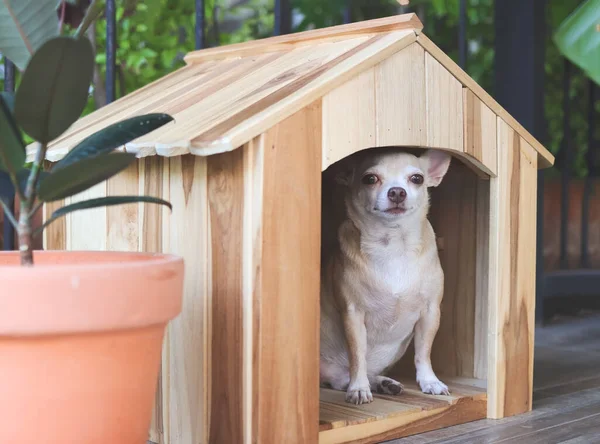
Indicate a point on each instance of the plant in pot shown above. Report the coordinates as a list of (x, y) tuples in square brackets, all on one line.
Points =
[(80, 332)]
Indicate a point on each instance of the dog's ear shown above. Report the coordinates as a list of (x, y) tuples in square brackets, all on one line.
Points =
[(345, 176), (343, 172), (436, 163)]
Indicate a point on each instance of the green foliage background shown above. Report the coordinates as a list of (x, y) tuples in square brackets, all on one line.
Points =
[(154, 35)]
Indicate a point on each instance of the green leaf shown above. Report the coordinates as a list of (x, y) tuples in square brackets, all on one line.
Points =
[(80, 176), (54, 88), (25, 25), (113, 136), (12, 148), (579, 40), (101, 202)]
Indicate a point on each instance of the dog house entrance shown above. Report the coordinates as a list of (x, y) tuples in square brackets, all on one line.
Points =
[(459, 214)]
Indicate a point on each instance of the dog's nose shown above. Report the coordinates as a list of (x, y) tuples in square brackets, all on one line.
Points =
[(397, 194)]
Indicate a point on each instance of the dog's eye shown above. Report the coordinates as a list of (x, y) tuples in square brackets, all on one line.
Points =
[(370, 179), (417, 179)]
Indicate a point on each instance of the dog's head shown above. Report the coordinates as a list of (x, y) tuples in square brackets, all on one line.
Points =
[(390, 185)]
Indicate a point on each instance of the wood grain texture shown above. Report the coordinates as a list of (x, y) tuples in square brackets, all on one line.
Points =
[(389, 417), (512, 276), (122, 221), (226, 204), (482, 261), (349, 118), (81, 224), (55, 235), (444, 107), (150, 217), (219, 106), (290, 41), (401, 99), (546, 159), (247, 123), (287, 343), (479, 131), (187, 352)]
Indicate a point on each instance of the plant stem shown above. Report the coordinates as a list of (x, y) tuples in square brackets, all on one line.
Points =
[(93, 11), (34, 175), (9, 215), (25, 238), (24, 226)]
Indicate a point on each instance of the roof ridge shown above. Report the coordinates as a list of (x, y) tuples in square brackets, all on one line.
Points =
[(289, 41)]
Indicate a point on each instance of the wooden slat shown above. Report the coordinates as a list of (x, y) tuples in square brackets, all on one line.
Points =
[(80, 224), (226, 204), (349, 123), (122, 220), (151, 173), (443, 107), (479, 131), (285, 42), (389, 417), (512, 275), (132, 104), (186, 354), (263, 114), (55, 235), (287, 343), (482, 261), (546, 158), (248, 93), (401, 108)]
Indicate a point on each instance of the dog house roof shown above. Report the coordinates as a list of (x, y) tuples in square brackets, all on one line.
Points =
[(226, 96)]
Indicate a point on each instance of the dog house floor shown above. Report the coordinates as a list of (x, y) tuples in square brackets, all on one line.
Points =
[(389, 417)]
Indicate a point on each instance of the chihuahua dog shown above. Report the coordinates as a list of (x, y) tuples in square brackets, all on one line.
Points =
[(382, 282)]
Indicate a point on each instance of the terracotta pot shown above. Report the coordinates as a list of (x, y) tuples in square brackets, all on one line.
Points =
[(80, 342)]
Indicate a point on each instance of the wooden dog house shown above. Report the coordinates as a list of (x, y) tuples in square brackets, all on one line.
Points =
[(255, 126)]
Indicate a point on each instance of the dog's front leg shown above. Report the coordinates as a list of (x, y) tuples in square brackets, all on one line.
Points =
[(359, 390), (425, 331)]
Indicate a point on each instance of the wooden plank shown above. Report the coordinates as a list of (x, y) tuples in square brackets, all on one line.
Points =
[(444, 107), (401, 108), (407, 423), (454, 217), (226, 204), (479, 131), (186, 354), (259, 117), (151, 174), (546, 159), (289, 41), (55, 234), (250, 91), (126, 106), (80, 224), (482, 261), (122, 220), (287, 343), (512, 276), (349, 123)]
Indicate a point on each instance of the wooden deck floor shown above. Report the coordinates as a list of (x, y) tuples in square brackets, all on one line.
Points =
[(566, 407)]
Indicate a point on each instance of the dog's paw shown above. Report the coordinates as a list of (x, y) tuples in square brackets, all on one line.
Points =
[(387, 386), (360, 395), (434, 387)]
